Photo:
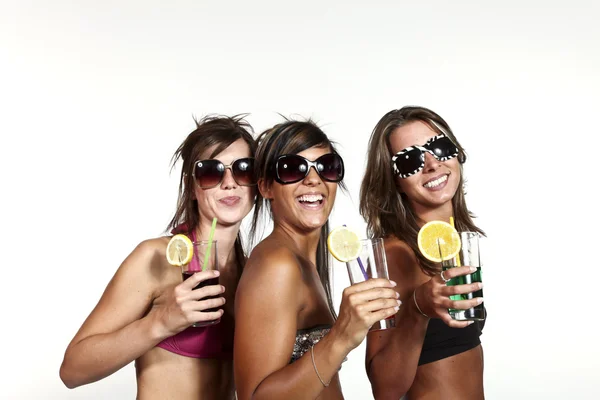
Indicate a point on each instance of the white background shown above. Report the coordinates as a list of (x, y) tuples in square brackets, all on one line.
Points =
[(96, 96)]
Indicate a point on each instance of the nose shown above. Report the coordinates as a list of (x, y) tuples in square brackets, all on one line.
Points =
[(431, 163), (312, 178), (228, 181)]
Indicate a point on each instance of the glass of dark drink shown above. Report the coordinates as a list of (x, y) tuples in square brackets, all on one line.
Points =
[(204, 259)]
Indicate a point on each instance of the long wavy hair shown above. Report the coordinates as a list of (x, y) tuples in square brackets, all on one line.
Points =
[(293, 137), (213, 130), (388, 212)]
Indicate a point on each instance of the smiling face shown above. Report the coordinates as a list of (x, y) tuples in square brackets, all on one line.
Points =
[(304, 205), (228, 201), (435, 185)]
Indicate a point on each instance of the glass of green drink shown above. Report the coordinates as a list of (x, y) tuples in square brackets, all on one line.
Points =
[(469, 256)]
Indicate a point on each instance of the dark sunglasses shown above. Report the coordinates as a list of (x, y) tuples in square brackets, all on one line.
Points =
[(292, 168), (210, 173), (411, 160)]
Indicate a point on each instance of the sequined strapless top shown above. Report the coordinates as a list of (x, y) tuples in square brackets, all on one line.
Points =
[(306, 338)]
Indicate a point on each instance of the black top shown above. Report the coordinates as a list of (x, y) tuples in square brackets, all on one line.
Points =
[(441, 341)]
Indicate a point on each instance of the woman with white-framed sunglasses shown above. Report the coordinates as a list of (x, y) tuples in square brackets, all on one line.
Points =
[(414, 175)]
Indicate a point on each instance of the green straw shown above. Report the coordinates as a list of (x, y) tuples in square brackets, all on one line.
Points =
[(210, 240)]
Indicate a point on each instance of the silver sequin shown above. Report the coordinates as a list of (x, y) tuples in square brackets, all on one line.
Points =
[(306, 338)]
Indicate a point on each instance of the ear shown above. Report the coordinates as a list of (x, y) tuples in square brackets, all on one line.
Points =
[(265, 189)]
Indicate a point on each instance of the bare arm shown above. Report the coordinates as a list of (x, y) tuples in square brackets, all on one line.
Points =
[(392, 356), (117, 332), (267, 306)]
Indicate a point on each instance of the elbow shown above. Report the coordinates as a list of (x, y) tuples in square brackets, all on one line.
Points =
[(392, 389), (388, 393), (68, 377)]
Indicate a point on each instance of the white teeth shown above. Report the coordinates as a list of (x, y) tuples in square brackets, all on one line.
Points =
[(437, 182), (311, 198)]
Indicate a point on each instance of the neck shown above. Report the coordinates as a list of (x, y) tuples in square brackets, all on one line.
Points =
[(442, 213), (225, 237), (304, 243)]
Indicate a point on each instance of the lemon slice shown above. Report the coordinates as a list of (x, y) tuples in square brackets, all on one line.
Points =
[(436, 236), (343, 244), (180, 250)]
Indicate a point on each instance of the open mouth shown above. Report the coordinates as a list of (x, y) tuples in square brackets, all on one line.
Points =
[(436, 182), (311, 200)]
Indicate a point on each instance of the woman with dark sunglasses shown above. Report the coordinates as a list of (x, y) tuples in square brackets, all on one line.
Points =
[(413, 176), (288, 345), (146, 312)]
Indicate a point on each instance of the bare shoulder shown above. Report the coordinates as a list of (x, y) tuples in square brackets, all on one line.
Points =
[(147, 260), (400, 252), (271, 266), (403, 265), (270, 257)]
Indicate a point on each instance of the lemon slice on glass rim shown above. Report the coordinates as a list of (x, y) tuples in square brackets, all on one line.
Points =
[(437, 237), (180, 250), (344, 244)]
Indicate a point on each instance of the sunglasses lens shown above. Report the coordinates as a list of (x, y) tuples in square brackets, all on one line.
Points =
[(331, 167), (409, 162), (443, 148), (243, 171), (291, 168), (208, 173)]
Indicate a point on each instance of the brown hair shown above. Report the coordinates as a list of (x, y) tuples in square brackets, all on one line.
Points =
[(212, 130), (292, 137), (388, 212)]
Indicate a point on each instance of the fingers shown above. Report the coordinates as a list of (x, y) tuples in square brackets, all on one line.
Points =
[(452, 323), (457, 271), (198, 277), (466, 304), (206, 291), (382, 314), (369, 284), (376, 293), (202, 316), (462, 289), (378, 304), (207, 304)]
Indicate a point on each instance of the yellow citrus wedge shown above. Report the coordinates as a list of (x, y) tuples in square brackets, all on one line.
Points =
[(180, 250), (436, 236), (343, 244)]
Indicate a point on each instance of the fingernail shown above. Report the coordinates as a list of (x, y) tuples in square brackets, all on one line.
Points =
[(470, 322), (222, 288), (480, 285), (396, 308), (393, 283), (216, 273), (397, 295), (479, 300), (399, 302), (473, 269)]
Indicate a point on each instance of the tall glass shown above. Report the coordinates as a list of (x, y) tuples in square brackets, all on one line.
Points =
[(469, 256), (201, 261), (371, 263)]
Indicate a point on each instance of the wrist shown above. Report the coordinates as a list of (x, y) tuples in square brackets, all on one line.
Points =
[(416, 308), (156, 328), (339, 344)]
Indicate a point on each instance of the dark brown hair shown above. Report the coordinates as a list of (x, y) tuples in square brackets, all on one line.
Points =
[(388, 212), (212, 130), (293, 137)]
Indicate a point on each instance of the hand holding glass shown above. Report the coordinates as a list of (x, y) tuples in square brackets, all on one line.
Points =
[(371, 263), (467, 256)]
